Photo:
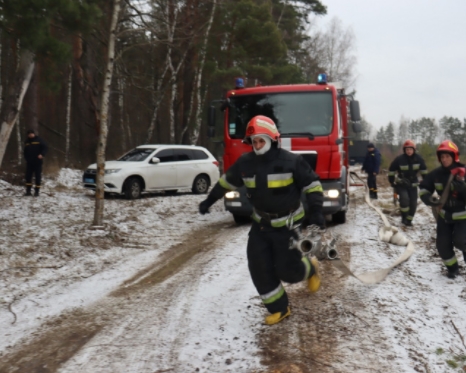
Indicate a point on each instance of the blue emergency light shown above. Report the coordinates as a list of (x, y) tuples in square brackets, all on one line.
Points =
[(239, 83), (322, 78)]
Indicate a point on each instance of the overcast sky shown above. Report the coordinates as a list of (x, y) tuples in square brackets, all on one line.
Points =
[(411, 57)]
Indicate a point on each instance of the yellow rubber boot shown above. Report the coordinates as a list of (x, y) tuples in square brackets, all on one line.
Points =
[(313, 283), (276, 317)]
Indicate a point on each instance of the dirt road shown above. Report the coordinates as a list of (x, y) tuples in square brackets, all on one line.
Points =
[(194, 309), (157, 307)]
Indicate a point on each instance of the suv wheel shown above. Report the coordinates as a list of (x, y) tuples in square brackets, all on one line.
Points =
[(201, 184), (133, 188)]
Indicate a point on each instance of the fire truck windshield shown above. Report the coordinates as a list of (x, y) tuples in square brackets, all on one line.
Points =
[(294, 112)]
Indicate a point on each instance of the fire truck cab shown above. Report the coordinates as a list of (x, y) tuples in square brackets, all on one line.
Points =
[(312, 120)]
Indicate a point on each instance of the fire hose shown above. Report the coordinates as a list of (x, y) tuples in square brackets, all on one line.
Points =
[(315, 242)]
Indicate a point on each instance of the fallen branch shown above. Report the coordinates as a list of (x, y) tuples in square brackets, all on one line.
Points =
[(11, 310), (462, 339), (8, 269)]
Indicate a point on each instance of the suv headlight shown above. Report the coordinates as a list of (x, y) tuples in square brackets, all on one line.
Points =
[(232, 194), (112, 171), (331, 193)]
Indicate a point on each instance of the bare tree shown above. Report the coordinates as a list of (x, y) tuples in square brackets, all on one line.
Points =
[(403, 130), (14, 100), (197, 115), (334, 49), (68, 115), (102, 143)]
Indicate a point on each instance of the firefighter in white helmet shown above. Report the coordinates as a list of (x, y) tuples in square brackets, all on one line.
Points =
[(275, 179)]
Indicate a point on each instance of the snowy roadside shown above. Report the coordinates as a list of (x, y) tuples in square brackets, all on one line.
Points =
[(207, 317), (51, 261), (418, 308)]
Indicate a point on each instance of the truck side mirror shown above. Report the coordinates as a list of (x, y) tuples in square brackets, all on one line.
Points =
[(354, 111), (357, 127)]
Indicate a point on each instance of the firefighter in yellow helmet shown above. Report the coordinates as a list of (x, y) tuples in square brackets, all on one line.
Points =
[(402, 175), (275, 179)]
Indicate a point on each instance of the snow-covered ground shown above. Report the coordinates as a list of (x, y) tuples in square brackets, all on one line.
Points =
[(164, 289)]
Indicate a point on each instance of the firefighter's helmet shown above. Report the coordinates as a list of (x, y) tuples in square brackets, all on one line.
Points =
[(409, 144), (448, 146), (261, 125)]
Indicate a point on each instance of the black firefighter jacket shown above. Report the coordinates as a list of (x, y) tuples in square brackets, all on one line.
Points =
[(372, 162), (33, 147), (406, 169), (274, 183), (436, 180)]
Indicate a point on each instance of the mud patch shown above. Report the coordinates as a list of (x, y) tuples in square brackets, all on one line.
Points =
[(65, 335), (61, 339), (173, 260)]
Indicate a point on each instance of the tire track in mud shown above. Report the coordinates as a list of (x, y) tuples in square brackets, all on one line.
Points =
[(60, 338)]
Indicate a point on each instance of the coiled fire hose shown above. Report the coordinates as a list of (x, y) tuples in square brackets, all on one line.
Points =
[(313, 244)]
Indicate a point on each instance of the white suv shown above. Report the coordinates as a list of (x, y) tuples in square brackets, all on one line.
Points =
[(150, 168)]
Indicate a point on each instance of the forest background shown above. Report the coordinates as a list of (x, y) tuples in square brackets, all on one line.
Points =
[(172, 58)]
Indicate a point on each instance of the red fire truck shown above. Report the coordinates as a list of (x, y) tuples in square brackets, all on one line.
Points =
[(312, 120)]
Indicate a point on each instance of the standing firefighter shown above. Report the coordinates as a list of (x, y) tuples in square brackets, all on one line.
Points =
[(402, 176), (451, 215), (34, 152), (275, 179), (371, 165)]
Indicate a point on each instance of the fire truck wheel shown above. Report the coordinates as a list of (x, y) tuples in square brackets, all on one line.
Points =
[(339, 217)]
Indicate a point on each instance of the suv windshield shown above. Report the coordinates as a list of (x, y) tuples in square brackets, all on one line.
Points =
[(293, 113), (136, 155)]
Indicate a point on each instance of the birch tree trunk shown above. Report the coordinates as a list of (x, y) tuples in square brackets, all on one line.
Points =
[(19, 141), (121, 103), (172, 112), (14, 100), (68, 116), (198, 112), (102, 143), (174, 73)]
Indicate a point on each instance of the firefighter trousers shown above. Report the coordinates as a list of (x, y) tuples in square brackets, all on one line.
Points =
[(34, 168), (450, 235), (271, 261), (408, 201), (372, 182)]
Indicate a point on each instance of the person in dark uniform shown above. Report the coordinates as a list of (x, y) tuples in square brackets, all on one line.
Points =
[(35, 150), (371, 165), (402, 176), (275, 179), (451, 216)]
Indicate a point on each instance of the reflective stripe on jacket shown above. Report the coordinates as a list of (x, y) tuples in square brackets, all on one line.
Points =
[(435, 181), (406, 168), (274, 183)]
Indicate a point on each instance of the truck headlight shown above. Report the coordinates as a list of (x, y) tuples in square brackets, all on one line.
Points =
[(112, 171), (332, 193), (232, 194)]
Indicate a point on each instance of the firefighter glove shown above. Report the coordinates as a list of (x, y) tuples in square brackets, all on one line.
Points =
[(458, 185), (204, 207), (317, 218)]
